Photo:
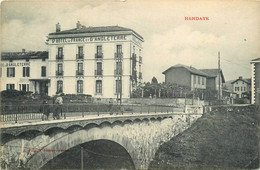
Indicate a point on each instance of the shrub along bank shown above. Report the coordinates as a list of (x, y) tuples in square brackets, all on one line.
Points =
[(224, 138)]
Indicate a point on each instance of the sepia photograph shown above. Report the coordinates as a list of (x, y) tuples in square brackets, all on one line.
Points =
[(129, 84)]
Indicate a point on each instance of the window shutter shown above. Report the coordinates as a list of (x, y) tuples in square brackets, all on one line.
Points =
[(14, 72), (7, 73), (28, 71), (23, 71)]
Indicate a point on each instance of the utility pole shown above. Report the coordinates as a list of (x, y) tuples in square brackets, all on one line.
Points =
[(219, 76)]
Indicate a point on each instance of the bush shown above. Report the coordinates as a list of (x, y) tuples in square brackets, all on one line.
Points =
[(14, 94)]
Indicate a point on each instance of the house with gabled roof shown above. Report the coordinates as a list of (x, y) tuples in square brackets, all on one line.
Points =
[(241, 87), (186, 76), (213, 77)]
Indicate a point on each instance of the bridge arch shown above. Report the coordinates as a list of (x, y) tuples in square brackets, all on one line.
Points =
[(70, 140)]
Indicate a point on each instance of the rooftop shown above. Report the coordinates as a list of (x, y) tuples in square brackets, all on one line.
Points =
[(189, 68), (24, 55), (213, 73), (83, 29)]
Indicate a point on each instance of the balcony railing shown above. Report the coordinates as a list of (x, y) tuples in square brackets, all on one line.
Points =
[(79, 72), (59, 73), (99, 73), (140, 59), (140, 75), (79, 56), (118, 55), (59, 57), (118, 72), (99, 56)]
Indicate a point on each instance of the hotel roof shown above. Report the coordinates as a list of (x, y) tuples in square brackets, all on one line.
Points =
[(84, 29), (24, 55)]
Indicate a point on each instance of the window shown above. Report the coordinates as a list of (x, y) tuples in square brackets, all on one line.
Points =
[(60, 69), (60, 53), (198, 80), (98, 86), (241, 88), (80, 69), (202, 81), (9, 86), (26, 71), (43, 71), (118, 68), (99, 50), (99, 68), (80, 86), (194, 79), (59, 86), (80, 52), (244, 88), (118, 86), (1, 72), (119, 49), (11, 72), (24, 87)]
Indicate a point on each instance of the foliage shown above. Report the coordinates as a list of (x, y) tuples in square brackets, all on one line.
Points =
[(168, 90), (154, 80), (14, 94)]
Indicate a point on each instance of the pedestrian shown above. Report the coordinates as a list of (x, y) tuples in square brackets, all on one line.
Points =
[(45, 110), (59, 103)]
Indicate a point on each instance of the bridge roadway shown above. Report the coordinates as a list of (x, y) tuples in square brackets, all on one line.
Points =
[(38, 125)]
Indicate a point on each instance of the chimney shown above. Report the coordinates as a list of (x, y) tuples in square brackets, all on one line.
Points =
[(78, 25), (240, 77), (58, 27), (23, 50)]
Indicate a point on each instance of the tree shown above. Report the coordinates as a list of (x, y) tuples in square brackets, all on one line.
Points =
[(154, 80)]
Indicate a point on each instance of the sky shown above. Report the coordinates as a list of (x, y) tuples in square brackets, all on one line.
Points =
[(233, 29)]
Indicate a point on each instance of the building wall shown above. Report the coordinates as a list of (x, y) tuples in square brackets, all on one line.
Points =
[(180, 76), (90, 65), (197, 82), (256, 83), (19, 80)]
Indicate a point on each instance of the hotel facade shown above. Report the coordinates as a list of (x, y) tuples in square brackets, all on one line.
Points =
[(255, 81), (24, 71), (104, 62)]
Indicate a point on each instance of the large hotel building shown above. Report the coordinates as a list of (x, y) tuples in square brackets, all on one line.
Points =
[(104, 62)]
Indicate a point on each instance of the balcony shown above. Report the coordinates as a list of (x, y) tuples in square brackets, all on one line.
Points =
[(140, 59), (140, 75), (59, 57), (98, 73), (118, 56), (118, 72), (99, 56), (79, 56), (79, 72), (59, 73)]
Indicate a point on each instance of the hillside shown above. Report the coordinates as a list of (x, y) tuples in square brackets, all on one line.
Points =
[(217, 140)]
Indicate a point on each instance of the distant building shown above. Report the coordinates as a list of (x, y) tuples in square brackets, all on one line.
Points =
[(104, 61), (24, 71), (255, 82), (213, 76), (241, 87), (186, 76)]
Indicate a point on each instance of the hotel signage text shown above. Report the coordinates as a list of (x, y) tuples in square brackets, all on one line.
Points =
[(88, 39), (14, 64)]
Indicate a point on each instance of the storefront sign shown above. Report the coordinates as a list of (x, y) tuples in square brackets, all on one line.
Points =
[(88, 39), (15, 64)]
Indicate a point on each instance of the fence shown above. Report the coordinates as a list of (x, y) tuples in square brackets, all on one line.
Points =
[(34, 112)]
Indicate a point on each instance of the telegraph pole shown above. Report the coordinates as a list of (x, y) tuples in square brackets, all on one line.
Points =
[(219, 76)]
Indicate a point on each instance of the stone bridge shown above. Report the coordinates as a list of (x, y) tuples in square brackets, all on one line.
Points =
[(31, 146)]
